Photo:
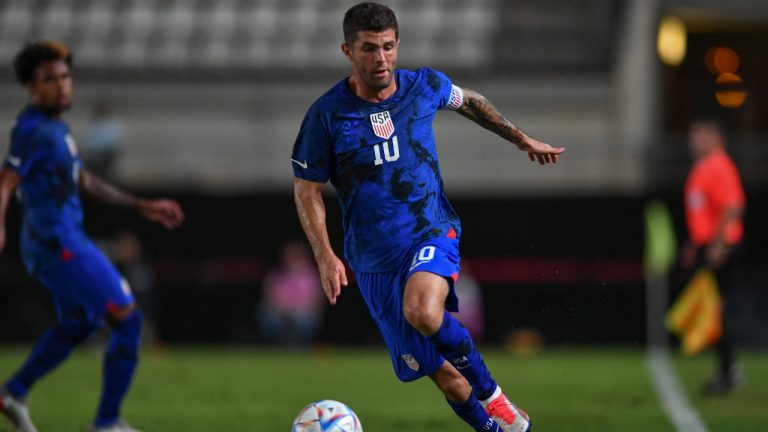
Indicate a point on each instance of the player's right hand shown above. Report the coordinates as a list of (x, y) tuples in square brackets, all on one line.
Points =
[(333, 276), (163, 211)]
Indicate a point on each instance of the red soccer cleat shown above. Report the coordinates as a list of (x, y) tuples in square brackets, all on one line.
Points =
[(506, 414)]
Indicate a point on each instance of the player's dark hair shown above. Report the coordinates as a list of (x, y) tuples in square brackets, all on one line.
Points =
[(36, 53), (368, 16)]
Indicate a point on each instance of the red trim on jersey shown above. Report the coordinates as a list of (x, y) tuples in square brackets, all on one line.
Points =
[(66, 255), (112, 307), (451, 233)]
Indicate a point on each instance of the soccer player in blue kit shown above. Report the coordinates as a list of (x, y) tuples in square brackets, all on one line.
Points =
[(87, 290), (371, 136)]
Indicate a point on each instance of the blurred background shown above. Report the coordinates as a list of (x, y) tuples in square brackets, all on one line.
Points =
[(201, 100)]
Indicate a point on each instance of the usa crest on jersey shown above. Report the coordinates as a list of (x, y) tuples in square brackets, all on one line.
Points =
[(382, 124), (411, 362)]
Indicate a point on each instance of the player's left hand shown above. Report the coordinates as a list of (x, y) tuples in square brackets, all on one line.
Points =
[(163, 211), (541, 151)]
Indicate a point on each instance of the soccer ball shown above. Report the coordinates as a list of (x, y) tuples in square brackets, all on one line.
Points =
[(326, 416)]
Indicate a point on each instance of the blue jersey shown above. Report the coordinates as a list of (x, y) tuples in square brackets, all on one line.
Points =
[(382, 160), (44, 155)]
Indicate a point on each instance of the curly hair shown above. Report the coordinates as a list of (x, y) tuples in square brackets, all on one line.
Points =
[(368, 16), (36, 53)]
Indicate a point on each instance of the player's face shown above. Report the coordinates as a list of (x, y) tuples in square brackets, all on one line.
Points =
[(52, 87), (702, 139), (373, 56)]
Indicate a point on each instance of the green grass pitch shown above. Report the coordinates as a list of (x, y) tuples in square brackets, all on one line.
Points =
[(245, 390)]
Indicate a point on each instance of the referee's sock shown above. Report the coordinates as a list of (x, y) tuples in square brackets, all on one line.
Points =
[(455, 344)]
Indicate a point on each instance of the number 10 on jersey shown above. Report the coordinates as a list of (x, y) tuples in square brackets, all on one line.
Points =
[(389, 155)]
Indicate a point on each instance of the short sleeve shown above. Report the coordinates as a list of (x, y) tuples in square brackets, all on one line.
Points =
[(11, 161), (13, 156), (312, 157), (450, 96), (25, 151)]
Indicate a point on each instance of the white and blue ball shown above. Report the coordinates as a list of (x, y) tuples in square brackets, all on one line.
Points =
[(327, 416)]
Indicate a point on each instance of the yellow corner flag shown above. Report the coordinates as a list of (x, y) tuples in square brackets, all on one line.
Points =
[(697, 315)]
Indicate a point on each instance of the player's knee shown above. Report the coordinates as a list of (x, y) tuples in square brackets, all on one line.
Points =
[(422, 317), (130, 324), (117, 314), (424, 302)]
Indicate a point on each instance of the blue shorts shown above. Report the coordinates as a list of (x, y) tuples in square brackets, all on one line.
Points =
[(413, 355), (84, 284)]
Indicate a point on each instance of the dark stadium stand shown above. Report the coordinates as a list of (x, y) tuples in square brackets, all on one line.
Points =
[(212, 92)]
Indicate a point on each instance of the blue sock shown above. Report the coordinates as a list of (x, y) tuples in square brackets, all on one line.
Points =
[(455, 344), (474, 414), (50, 351), (120, 363)]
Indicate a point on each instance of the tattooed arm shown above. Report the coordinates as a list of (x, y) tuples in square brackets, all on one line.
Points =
[(478, 109), (163, 211), (104, 191)]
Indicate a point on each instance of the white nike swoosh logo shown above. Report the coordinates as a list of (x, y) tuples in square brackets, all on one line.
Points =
[(301, 164), (15, 161), (417, 264)]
